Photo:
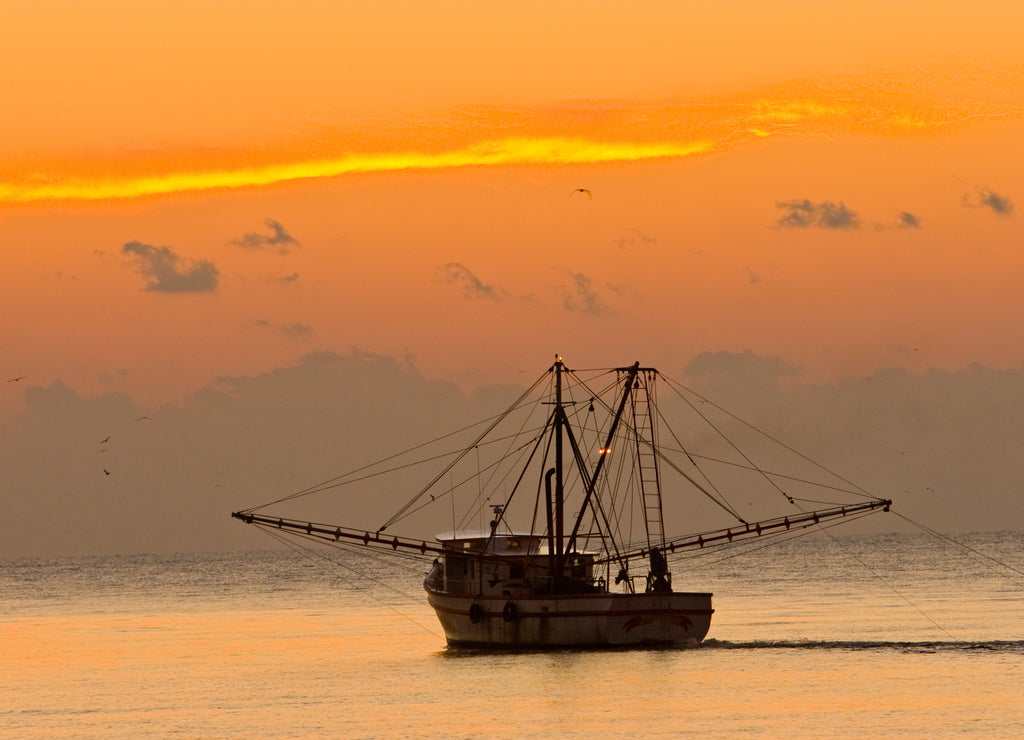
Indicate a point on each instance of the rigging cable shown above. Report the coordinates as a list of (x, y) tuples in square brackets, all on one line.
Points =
[(859, 491), (671, 463), (732, 444), (398, 515), (892, 588), (662, 456), (741, 466), (956, 542), (317, 557)]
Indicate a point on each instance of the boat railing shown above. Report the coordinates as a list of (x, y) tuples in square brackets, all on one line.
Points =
[(539, 585)]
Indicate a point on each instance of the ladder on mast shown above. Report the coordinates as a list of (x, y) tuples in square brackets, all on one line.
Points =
[(647, 459)]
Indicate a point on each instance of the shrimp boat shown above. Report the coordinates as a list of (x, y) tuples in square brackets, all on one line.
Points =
[(571, 488)]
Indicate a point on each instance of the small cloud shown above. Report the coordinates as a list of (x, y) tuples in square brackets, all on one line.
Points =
[(635, 238), (165, 272), (295, 331), (277, 239), (803, 214), (460, 276), (998, 203), (907, 220), (284, 280), (292, 331), (581, 297)]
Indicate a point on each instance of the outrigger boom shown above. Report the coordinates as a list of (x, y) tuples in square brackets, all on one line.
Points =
[(331, 533)]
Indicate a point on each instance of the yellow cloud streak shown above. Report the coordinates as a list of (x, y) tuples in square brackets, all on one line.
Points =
[(512, 151), (587, 132)]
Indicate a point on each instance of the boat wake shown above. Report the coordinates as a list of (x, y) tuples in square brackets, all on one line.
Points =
[(945, 646), (996, 647)]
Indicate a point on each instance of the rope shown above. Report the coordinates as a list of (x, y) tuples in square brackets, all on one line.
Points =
[(966, 547), (346, 478), (398, 515), (857, 489), (892, 588), (317, 557)]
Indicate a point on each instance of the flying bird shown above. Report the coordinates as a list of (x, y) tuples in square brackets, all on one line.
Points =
[(106, 472), (15, 380), (582, 190), (104, 441)]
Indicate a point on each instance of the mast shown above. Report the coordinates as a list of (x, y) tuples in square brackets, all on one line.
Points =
[(631, 373), (559, 559)]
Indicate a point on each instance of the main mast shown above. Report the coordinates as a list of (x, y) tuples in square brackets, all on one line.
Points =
[(559, 553)]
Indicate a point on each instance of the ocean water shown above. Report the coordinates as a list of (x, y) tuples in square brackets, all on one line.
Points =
[(866, 637)]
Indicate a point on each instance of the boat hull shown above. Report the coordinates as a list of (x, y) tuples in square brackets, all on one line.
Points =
[(578, 620)]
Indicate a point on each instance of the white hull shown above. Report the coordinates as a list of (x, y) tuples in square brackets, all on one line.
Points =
[(581, 620)]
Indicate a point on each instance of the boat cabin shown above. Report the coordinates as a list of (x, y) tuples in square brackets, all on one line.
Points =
[(493, 564)]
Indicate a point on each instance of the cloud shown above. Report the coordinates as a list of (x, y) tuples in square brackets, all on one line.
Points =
[(924, 439), (635, 238), (460, 276), (249, 439), (803, 214), (907, 220), (724, 364), (284, 280), (165, 272), (602, 131), (246, 439), (292, 331), (582, 298), (998, 203), (278, 238)]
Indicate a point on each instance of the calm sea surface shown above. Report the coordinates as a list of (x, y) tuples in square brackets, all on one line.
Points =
[(894, 636)]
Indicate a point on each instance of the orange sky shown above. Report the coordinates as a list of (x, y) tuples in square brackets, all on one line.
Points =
[(192, 191), (834, 187)]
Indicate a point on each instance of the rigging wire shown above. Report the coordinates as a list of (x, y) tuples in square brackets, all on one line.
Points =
[(477, 507), (891, 587), (785, 537), (531, 441), (615, 522), (774, 474), (746, 547), (968, 548), (343, 479), (671, 463), (679, 387), (319, 557), (724, 503), (732, 444), (346, 478), (395, 517)]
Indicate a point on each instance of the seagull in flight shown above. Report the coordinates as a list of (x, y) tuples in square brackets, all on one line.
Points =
[(15, 380), (582, 190), (103, 442)]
